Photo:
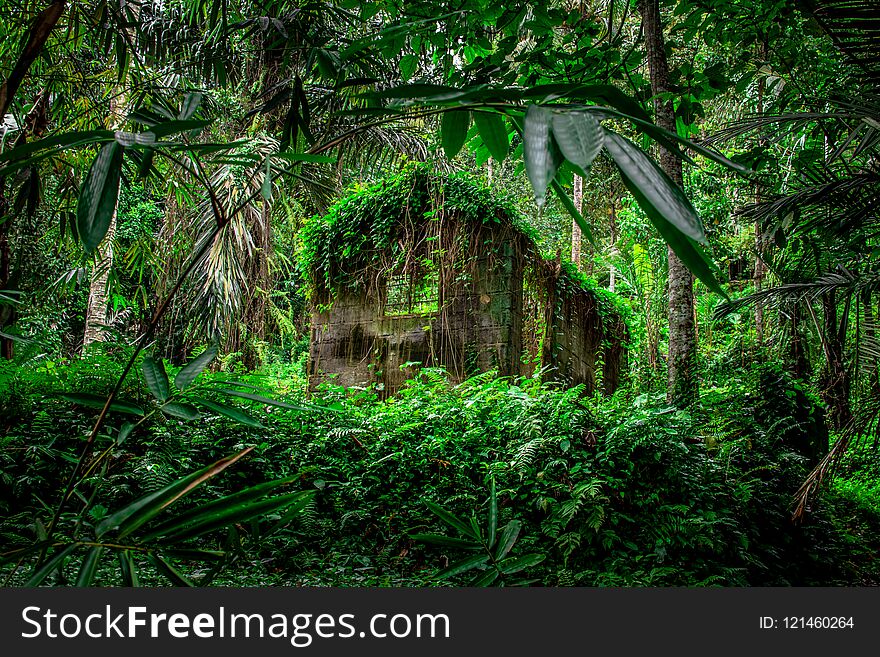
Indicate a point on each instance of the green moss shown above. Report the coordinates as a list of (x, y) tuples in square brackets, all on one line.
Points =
[(359, 233)]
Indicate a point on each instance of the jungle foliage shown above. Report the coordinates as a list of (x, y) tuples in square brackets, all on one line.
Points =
[(176, 177)]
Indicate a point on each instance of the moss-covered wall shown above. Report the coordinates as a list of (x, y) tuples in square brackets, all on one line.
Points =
[(420, 226)]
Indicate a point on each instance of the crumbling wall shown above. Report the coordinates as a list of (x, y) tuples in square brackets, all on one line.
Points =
[(477, 326)]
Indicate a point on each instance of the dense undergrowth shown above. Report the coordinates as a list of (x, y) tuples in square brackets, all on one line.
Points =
[(614, 492)]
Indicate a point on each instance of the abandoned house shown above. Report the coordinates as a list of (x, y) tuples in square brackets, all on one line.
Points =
[(423, 270)]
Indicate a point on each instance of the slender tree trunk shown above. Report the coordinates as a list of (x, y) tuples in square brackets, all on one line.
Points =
[(834, 381), (682, 385), (576, 236), (612, 225), (760, 267), (97, 315)]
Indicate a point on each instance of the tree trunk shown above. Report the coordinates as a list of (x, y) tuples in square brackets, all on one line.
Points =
[(96, 311), (834, 381), (682, 386), (760, 267), (576, 236)]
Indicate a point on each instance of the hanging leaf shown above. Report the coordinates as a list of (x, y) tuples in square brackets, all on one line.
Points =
[(493, 133), (666, 199), (649, 198), (579, 137), (538, 153), (191, 370), (453, 131), (156, 378), (98, 196)]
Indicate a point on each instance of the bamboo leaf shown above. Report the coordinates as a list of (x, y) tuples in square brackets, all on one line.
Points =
[(142, 510), (541, 164), (219, 505), (580, 138), (486, 579), (665, 199), (462, 566), (451, 520), (128, 569), (516, 564), (507, 538), (666, 206), (232, 513), (89, 566), (97, 401), (446, 541), (57, 559), (231, 413), (98, 196), (169, 571), (264, 400)]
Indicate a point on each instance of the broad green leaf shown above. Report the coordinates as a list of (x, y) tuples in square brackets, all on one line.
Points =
[(447, 541), (451, 520), (97, 401), (493, 133), (145, 508), (682, 245), (665, 198), (462, 566), (98, 196), (493, 513), (192, 369), (222, 504), (541, 164), (156, 378), (231, 413), (183, 411), (46, 569), (516, 564), (89, 566), (453, 131), (486, 579), (579, 136), (507, 538), (168, 570)]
